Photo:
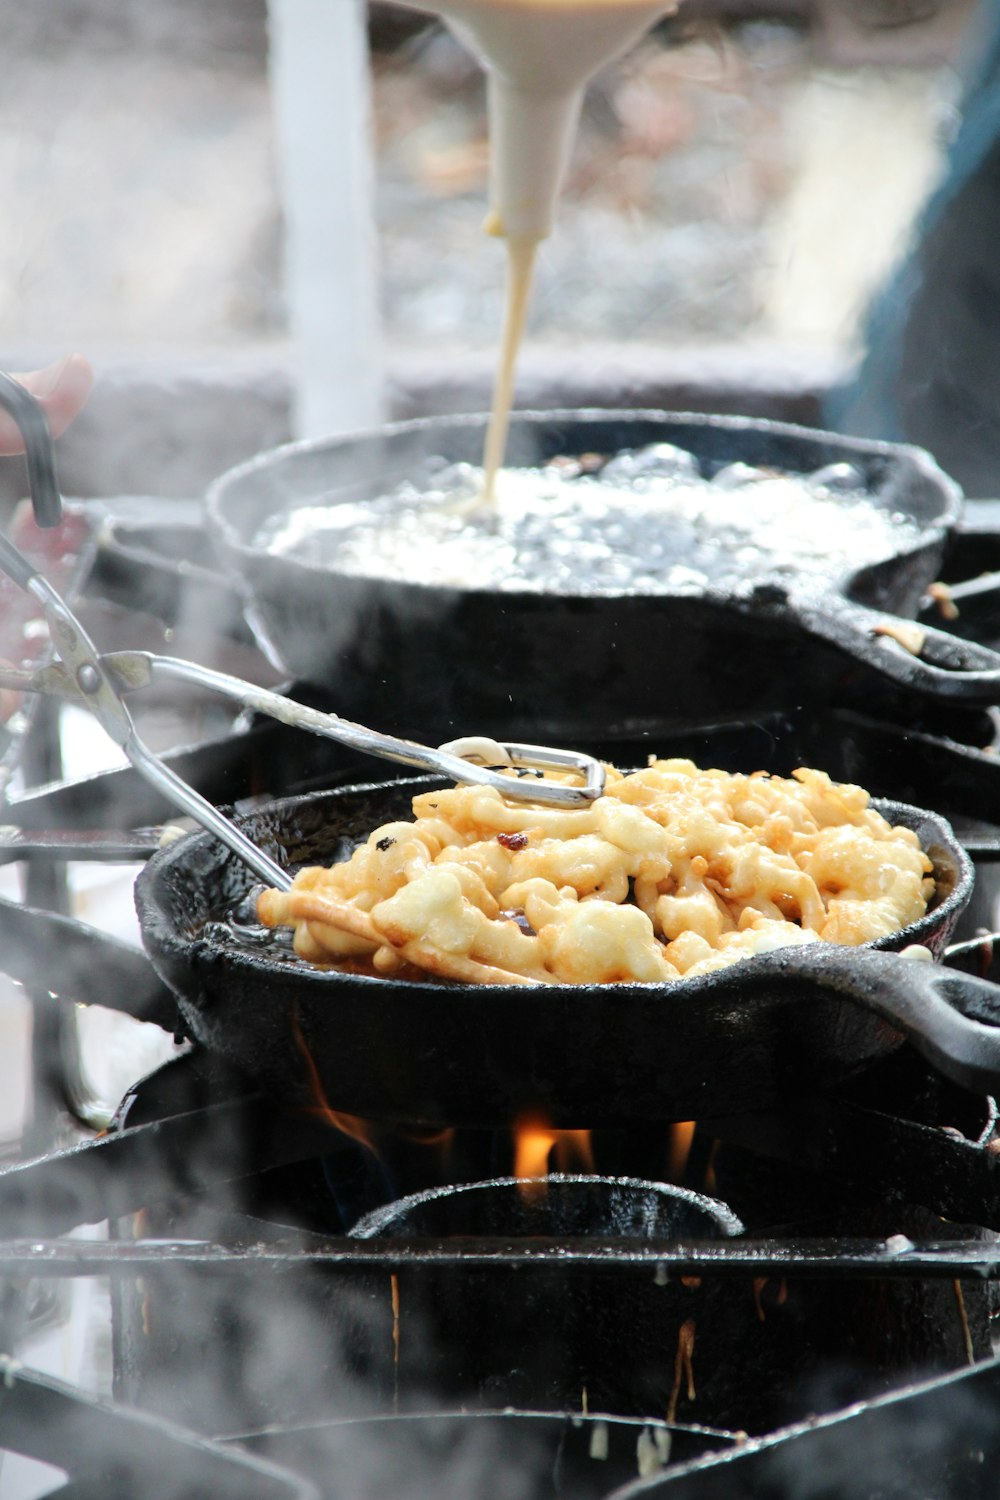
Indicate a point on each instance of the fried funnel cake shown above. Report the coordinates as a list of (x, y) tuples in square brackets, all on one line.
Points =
[(673, 872)]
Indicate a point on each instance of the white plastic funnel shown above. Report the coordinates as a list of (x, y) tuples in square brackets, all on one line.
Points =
[(539, 56)]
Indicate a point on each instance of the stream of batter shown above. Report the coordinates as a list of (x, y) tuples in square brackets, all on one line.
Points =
[(521, 253)]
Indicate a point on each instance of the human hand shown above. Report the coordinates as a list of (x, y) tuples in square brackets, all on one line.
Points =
[(10, 701), (61, 389)]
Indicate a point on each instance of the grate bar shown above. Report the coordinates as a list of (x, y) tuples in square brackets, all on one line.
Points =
[(842, 1257)]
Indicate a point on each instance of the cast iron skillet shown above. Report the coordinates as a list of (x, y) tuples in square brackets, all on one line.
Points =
[(400, 655), (429, 1054)]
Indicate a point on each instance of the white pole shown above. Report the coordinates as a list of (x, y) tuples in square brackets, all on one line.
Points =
[(321, 87)]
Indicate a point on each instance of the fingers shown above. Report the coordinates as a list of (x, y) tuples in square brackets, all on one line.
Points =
[(10, 701), (61, 388)]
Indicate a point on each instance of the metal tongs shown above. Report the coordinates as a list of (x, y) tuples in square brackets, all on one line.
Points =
[(82, 675)]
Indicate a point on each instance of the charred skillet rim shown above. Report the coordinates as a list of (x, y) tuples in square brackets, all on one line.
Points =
[(170, 891)]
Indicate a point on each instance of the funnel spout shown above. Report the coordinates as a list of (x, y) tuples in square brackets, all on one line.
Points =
[(539, 57), (531, 138)]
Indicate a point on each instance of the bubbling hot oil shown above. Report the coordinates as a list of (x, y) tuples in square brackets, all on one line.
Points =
[(648, 522)]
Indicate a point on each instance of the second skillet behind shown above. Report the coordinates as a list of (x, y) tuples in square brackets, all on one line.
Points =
[(544, 665)]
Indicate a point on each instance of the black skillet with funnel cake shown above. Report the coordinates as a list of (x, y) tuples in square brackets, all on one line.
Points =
[(743, 1038)]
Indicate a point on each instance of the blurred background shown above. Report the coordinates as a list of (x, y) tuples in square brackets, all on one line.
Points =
[(743, 181)]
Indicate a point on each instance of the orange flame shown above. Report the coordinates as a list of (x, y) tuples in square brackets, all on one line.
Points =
[(574, 1151), (679, 1149), (354, 1126), (365, 1132), (443, 1138), (535, 1141)]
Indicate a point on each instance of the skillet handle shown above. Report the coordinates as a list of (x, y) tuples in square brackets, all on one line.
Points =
[(951, 1018), (164, 546), (946, 667), (39, 456)]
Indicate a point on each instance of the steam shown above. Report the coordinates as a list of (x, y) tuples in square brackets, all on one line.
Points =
[(934, 1440)]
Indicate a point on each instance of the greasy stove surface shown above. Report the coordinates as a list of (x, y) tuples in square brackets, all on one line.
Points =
[(268, 1351)]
